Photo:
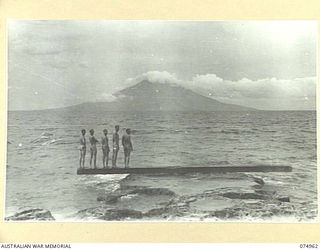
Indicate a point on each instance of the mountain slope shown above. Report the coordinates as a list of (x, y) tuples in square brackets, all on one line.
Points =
[(146, 96)]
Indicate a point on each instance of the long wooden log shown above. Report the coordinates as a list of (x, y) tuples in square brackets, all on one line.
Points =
[(184, 170)]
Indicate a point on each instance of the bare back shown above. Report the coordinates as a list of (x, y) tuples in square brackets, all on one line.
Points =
[(126, 141)]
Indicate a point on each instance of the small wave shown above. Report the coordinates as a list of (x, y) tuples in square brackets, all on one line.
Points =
[(128, 196), (220, 163), (43, 137), (52, 141), (307, 131), (61, 142), (273, 182), (161, 130), (46, 129), (230, 131), (47, 134), (142, 132)]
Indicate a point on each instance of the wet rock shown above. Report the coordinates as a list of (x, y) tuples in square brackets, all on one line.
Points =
[(284, 199), (130, 187), (250, 202), (94, 212), (153, 191), (109, 198), (119, 214), (32, 214), (257, 187), (182, 204), (234, 195), (101, 198), (157, 212), (266, 190), (109, 214), (191, 199), (174, 209), (258, 180), (221, 214)]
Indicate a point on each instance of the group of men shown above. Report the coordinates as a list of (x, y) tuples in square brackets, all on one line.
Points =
[(126, 143)]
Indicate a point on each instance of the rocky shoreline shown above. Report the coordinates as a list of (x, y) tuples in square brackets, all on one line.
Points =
[(36, 214), (260, 204), (130, 202)]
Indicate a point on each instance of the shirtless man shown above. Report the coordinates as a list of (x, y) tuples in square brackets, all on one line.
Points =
[(105, 148), (127, 147), (82, 148), (93, 149), (115, 146)]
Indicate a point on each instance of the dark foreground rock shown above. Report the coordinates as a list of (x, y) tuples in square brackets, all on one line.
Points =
[(255, 199), (235, 195), (113, 214), (153, 191), (136, 190), (32, 214), (109, 198), (284, 199), (260, 210)]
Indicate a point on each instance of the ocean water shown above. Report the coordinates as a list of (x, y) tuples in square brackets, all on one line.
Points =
[(43, 156)]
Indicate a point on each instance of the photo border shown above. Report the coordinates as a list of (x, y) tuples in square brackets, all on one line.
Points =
[(149, 10)]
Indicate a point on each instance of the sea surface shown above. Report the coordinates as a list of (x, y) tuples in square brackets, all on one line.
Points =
[(43, 156)]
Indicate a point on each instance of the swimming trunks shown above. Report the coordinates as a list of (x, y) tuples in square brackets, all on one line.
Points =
[(82, 146), (93, 142), (105, 145), (115, 141), (126, 143)]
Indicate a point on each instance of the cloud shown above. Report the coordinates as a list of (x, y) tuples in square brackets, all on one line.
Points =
[(262, 88), (93, 57), (298, 93), (106, 97), (163, 77)]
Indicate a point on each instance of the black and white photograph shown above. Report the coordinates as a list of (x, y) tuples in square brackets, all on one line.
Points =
[(154, 120)]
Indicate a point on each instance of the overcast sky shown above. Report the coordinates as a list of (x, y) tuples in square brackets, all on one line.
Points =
[(266, 65)]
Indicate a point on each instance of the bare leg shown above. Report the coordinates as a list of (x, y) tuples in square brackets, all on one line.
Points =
[(115, 159), (83, 157), (80, 161), (95, 159), (91, 156), (112, 158), (107, 160), (125, 160), (103, 159), (128, 159)]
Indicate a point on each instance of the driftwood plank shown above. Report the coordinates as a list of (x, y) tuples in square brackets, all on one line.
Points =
[(183, 170)]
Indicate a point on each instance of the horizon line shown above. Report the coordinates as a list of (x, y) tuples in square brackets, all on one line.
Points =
[(256, 110)]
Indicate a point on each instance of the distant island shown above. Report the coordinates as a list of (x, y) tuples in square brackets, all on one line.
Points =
[(148, 96)]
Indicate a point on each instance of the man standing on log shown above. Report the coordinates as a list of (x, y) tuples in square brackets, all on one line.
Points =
[(127, 147), (105, 148), (115, 146), (93, 149), (82, 148)]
